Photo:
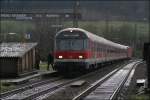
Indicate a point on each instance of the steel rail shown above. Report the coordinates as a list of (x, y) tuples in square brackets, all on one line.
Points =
[(48, 88), (123, 82), (101, 81), (24, 88)]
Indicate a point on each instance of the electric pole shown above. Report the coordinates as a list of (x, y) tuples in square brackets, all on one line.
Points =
[(107, 34), (135, 33), (75, 13)]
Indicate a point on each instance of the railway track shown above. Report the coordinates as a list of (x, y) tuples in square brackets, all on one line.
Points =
[(24, 88), (40, 89), (67, 91), (108, 87), (63, 85)]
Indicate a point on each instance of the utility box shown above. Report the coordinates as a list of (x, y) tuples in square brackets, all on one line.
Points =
[(146, 57), (146, 52), (141, 82)]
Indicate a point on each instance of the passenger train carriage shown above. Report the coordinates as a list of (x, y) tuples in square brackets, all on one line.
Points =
[(78, 50)]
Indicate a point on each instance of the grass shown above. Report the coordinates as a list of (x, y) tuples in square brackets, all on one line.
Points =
[(98, 26), (16, 26), (43, 66), (19, 27), (140, 97), (6, 87), (142, 27)]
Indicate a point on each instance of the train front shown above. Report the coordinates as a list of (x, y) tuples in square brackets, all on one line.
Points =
[(71, 50)]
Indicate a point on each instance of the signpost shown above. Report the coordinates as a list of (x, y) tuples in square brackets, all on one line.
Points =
[(28, 36)]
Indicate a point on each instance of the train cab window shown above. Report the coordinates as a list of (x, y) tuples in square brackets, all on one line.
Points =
[(63, 45), (85, 44), (76, 44), (71, 44)]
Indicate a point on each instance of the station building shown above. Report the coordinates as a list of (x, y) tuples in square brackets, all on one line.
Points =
[(17, 59)]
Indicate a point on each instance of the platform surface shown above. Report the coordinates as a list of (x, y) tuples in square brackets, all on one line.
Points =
[(26, 78)]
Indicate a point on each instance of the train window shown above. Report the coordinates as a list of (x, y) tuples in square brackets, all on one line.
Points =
[(63, 45), (71, 44), (76, 44), (85, 44)]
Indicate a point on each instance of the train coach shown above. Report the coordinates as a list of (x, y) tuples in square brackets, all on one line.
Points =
[(78, 50)]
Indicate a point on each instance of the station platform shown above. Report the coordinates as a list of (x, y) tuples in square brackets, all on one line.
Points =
[(20, 80)]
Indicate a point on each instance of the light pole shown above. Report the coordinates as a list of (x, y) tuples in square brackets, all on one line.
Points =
[(149, 32), (75, 14)]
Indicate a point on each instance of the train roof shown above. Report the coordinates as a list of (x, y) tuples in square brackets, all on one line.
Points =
[(95, 38)]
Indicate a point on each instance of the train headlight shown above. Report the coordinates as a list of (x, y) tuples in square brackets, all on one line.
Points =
[(60, 57), (80, 57)]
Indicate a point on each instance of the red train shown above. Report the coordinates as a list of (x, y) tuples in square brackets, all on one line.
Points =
[(78, 50)]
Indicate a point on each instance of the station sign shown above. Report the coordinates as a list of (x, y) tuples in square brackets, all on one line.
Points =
[(13, 15), (28, 35), (31, 16)]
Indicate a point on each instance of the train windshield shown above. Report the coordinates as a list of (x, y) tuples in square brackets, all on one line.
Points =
[(71, 44)]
